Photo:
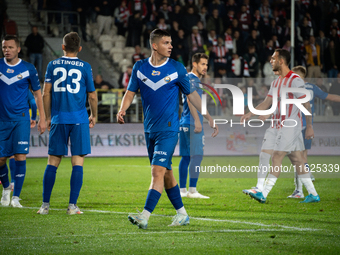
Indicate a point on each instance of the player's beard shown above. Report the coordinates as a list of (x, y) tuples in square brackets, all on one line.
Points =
[(276, 68)]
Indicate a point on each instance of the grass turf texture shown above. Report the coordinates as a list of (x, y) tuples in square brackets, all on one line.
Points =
[(229, 222)]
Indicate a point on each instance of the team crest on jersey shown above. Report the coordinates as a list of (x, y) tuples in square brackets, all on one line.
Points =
[(9, 71), (154, 73), (19, 76), (167, 79)]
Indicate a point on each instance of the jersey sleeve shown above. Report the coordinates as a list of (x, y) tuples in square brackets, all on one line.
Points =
[(270, 92), (48, 74), (319, 93), (89, 79), (33, 105), (183, 79), (33, 77), (133, 82), (298, 83)]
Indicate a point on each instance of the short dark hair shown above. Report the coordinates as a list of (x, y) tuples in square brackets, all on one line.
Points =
[(71, 42), (300, 69), (12, 37), (157, 34), (284, 54), (197, 57)]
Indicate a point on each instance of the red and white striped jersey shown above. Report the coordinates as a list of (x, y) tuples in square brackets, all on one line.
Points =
[(291, 80)]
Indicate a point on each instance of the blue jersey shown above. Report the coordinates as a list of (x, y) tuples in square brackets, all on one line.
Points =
[(14, 88), (186, 117), (33, 105), (315, 91), (159, 89), (71, 79)]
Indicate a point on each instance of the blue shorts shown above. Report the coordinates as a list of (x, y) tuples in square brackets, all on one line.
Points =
[(190, 143), (14, 137), (307, 142), (78, 134), (161, 147)]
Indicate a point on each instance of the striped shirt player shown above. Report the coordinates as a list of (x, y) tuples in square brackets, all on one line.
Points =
[(16, 77)]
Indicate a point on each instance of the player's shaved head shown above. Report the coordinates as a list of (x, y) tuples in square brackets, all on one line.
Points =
[(300, 70), (197, 57), (12, 37), (71, 42), (157, 34), (284, 54)]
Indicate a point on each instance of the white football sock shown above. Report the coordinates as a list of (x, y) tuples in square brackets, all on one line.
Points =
[(307, 181), (263, 169), (182, 211), (146, 214), (298, 183), (192, 189), (183, 190), (270, 182)]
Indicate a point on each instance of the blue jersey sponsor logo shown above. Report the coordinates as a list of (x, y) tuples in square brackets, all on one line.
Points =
[(10, 70), (154, 73)]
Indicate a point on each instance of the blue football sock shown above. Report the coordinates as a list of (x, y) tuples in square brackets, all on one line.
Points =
[(194, 162), (174, 196), (12, 168), (183, 171), (48, 182), (4, 176), (76, 183), (152, 200), (19, 177)]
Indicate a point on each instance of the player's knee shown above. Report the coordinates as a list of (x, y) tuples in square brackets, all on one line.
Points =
[(3, 161)]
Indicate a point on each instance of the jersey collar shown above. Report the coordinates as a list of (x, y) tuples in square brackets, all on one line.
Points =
[(70, 57), (12, 65), (160, 65)]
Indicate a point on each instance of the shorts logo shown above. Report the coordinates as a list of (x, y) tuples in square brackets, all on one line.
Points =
[(9, 71), (162, 159), (26, 149), (167, 79), (19, 76), (161, 153), (154, 73), (185, 129), (22, 142), (20, 175)]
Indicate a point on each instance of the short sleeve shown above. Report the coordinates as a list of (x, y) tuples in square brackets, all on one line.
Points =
[(133, 82), (89, 79), (319, 93), (34, 78), (48, 74), (183, 79), (298, 83)]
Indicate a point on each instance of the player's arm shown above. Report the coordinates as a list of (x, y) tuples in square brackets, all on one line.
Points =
[(193, 111), (126, 102), (266, 103), (333, 97), (309, 126), (195, 100), (33, 107), (47, 103), (93, 102), (42, 119)]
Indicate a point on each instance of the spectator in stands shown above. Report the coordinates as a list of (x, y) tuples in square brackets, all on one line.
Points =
[(253, 61), (125, 78), (83, 9), (165, 11), (334, 36), (215, 23), (104, 9), (231, 5), (238, 45), (254, 39), (138, 6), (139, 55), (335, 89), (257, 17), (203, 15), (235, 26), (273, 29), (176, 14), (152, 13), (189, 20), (191, 4), (122, 15), (304, 31), (332, 61), (268, 51), (162, 24), (195, 42), (202, 31), (265, 12), (99, 83), (313, 59), (268, 73), (220, 6), (180, 48), (335, 26), (219, 55), (323, 42), (35, 46), (212, 37), (244, 22), (287, 45), (135, 28), (239, 67), (228, 39)]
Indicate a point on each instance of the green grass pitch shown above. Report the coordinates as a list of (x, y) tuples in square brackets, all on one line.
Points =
[(227, 223)]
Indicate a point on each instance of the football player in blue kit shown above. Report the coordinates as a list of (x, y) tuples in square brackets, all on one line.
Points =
[(159, 79), (315, 91), (16, 77), (191, 136), (67, 82)]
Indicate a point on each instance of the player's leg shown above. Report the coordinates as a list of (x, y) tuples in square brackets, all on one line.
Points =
[(184, 151), (6, 192), (302, 168), (12, 170)]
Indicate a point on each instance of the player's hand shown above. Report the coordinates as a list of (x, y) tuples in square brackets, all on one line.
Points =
[(48, 125), (41, 126), (309, 132), (264, 117), (246, 117), (120, 117), (92, 121), (33, 123), (215, 127), (198, 126)]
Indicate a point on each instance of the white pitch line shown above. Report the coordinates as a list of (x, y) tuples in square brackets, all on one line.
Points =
[(197, 218), (140, 166)]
